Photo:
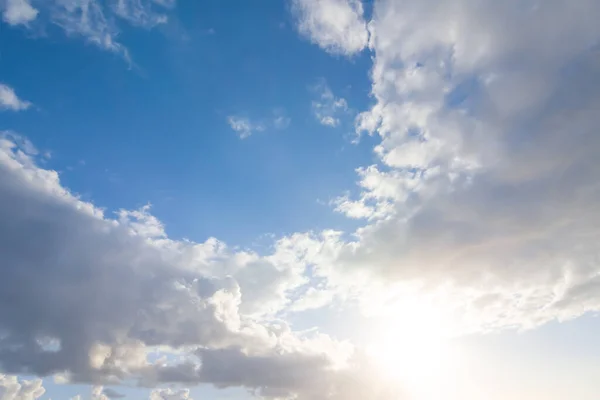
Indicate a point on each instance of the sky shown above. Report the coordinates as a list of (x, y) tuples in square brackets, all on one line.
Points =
[(299, 199)]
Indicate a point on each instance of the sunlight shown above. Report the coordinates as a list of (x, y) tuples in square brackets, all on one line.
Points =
[(413, 348)]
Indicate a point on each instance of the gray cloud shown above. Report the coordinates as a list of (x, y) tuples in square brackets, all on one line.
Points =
[(112, 394), (486, 182), (87, 297)]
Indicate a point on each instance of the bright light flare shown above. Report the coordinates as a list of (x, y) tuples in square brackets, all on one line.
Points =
[(413, 347)]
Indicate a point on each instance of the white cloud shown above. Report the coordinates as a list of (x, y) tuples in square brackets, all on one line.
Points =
[(97, 393), (243, 126), (18, 12), (335, 25), (93, 20), (11, 388), (140, 12), (311, 299), (483, 202), (10, 101), (170, 394), (100, 294), (328, 108), (488, 166), (87, 18), (281, 122)]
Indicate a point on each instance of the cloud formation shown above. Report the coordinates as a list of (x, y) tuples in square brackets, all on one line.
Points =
[(96, 21), (337, 26), (327, 108), (17, 12), (483, 202), (10, 101), (485, 194), (11, 388), (243, 126), (87, 297)]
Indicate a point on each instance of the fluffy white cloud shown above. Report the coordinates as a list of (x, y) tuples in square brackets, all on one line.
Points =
[(18, 12), (328, 108), (335, 25), (99, 294), (11, 388), (10, 101), (486, 191)]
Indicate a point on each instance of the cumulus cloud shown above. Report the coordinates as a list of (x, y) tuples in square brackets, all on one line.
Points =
[(485, 193), (328, 108), (10, 101), (18, 12), (99, 294), (11, 388), (337, 26)]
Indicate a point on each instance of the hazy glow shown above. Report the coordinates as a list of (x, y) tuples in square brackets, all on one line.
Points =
[(413, 347)]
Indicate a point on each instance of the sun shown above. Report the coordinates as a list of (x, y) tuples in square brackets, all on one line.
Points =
[(413, 348)]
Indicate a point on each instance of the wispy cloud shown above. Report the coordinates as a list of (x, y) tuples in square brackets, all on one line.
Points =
[(328, 108), (243, 126), (95, 21), (10, 101)]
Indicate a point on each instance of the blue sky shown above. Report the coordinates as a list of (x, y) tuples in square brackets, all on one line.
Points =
[(186, 79), (299, 199)]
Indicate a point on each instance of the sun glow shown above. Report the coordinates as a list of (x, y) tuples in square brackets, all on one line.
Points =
[(412, 347)]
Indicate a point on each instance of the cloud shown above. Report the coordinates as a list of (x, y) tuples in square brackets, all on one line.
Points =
[(11, 388), (95, 21), (280, 120), (98, 295), (18, 12), (10, 101), (311, 299), (337, 26), (170, 394), (245, 127), (98, 393), (328, 107), (112, 394), (485, 192), (142, 13), (88, 19)]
